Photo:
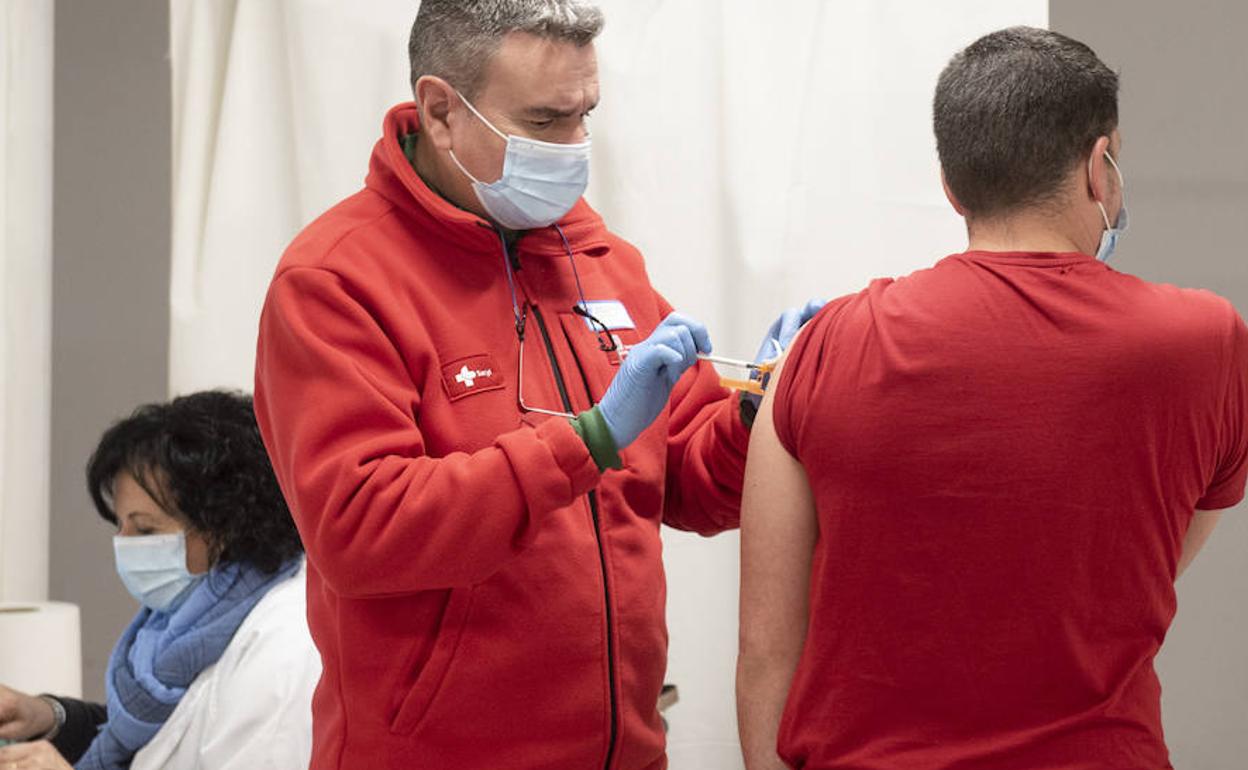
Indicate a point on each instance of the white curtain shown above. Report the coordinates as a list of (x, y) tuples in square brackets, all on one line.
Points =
[(25, 296), (759, 153), (277, 104), (762, 153)]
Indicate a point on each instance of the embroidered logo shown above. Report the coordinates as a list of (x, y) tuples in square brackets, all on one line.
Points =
[(472, 375), (468, 377)]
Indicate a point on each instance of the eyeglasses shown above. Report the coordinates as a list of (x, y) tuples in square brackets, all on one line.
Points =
[(524, 406), (606, 340), (522, 322), (606, 343)]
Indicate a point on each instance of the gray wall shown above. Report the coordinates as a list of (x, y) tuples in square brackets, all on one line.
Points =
[(1185, 158), (110, 293)]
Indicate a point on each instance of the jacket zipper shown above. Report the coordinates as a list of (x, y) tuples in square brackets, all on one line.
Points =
[(602, 554)]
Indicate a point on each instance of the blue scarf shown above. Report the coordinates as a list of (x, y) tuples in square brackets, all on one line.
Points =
[(161, 653)]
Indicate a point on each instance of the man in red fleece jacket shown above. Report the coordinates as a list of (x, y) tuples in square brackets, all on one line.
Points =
[(480, 412)]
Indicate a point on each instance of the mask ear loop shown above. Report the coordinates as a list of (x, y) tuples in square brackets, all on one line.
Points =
[(465, 171), (1121, 183), (488, 125), (480, 117)]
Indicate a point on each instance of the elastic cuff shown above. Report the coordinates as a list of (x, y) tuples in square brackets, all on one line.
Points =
[(593, 430)]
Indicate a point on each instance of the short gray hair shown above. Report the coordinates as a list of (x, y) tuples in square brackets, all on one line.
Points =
[(455, 39)]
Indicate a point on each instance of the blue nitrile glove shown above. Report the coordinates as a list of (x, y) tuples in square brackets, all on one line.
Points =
[(645, 380), (781, 334)]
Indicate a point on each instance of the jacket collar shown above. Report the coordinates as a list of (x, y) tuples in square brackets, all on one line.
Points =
[(392, 176)]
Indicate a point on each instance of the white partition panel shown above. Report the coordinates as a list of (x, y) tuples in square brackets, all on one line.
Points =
[(25, 295), (760, 154)]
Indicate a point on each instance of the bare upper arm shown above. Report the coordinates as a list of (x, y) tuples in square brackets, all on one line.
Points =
[(778, 533)]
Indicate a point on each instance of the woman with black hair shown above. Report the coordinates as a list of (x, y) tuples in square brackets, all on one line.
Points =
[(216, 671)]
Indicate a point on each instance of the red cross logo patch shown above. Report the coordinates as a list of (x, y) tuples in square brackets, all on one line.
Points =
[(472, 375)]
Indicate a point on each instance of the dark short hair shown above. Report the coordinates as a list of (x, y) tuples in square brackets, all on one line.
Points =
[(200, 457), (455, 39), (1015, 113)]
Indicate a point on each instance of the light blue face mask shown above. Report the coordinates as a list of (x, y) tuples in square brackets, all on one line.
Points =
[(1109, 238), (541, 181), (153, 569)]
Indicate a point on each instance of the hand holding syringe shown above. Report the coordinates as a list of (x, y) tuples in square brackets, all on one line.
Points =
[(778, 338), (747, 385)]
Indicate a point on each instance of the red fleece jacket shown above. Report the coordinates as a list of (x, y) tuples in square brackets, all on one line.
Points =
[(481, 595)]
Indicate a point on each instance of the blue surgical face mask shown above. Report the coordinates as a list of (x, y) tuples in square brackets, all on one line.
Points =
[(541, 181), (153, 569), (1109, 238)]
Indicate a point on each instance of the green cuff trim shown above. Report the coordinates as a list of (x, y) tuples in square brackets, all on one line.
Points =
[(593, 430)]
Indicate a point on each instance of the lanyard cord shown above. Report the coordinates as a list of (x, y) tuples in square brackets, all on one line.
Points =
[(521, 317), (583, 307), (607, 342)]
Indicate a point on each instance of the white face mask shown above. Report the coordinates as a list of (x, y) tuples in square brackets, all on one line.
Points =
[(153, 569), (1109, 238), (541, 181)]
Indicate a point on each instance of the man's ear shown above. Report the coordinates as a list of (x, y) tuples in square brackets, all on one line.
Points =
[(436, 99), (953, 199), (1099, 171)]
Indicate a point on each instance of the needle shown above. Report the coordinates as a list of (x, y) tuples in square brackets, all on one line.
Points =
[(765, 366)]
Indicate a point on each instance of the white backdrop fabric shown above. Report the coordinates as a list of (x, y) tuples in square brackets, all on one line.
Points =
[(758, 153), (25, 296)]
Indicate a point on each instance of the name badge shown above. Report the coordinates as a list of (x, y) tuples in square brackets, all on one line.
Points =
[(611, 313)]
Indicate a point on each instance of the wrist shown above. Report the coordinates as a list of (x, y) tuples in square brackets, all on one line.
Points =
[(594, 430), (49, 717)]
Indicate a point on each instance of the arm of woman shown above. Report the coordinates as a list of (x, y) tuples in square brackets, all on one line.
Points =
[(24, 717), (82, 724), (33, 756)]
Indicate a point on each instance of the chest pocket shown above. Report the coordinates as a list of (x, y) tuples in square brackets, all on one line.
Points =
[(597, 367)]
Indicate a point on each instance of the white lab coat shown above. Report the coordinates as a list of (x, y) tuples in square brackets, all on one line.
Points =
[(252, 709)]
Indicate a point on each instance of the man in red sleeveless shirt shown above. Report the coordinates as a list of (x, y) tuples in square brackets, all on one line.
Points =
[(971, 490)]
